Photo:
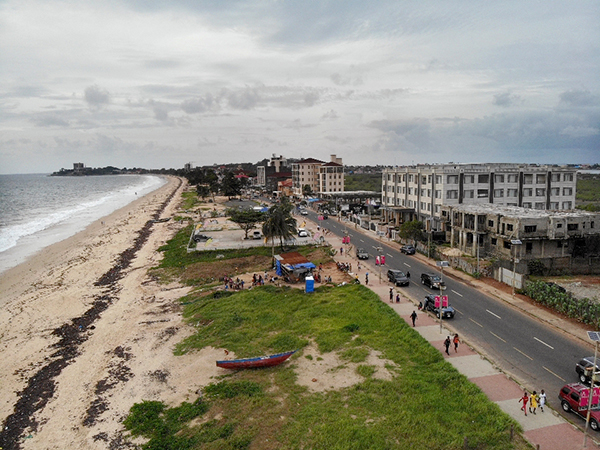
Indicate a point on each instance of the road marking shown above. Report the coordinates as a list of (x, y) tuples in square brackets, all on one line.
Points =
[(495, 335), (526, 356), (475, 322), (542, 342), (557, 376), (460, 295), (391, 256), (495, 315), (361, 240), (407, 265)]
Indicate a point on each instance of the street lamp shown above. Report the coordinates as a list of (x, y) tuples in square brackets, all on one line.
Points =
[(441, 265), (379, 250), (594, 336), (513, 244)]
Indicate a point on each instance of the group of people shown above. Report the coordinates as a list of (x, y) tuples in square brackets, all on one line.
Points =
[(392, 296), (344, 266), (230, 283), (455, 340), (258, 280), (534, 400)]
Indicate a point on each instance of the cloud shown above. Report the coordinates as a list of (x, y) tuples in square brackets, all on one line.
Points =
[(49, 121), (96, 97), (506, 99), (575, 97), (330, 115), (198, 105)]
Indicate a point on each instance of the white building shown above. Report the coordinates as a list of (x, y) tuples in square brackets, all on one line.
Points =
[(319, 175), (419, 192)]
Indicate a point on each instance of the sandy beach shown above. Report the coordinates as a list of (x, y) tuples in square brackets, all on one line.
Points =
[(85, 334)]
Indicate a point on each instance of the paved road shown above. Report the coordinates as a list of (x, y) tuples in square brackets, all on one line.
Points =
[(535, 354)]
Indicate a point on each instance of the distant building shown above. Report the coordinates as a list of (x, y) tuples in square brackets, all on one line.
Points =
[(420, 192), (322, 177), (78, 167)]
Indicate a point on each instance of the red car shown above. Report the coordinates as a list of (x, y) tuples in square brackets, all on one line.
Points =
[(570, 400)]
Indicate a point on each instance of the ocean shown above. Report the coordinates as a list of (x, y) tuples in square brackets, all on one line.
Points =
[(38, 210)]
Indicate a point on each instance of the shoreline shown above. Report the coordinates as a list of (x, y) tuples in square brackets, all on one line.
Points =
[(84, 333)]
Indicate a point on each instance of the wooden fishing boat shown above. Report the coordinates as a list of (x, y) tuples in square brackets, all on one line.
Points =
[(260, 361)]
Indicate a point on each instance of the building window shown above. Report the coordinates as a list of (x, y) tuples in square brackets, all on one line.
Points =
[(499, 178), (484, 178), (469, 179), (526, 204), (528, 192), (530, 228), (567, 205), (452, 194), (469, 194), (437, 208), (438, 179), (423, 179), (559, 225), (539, 192), (512, 192), (498, 193), (568, 177), (506, 244), (572, 226), (528, 178), (494, 241), (540, 206), (567, 191), (482, 193), (438, 193), (429, 178), (528, 248), (555, 192), (491, 223), (592, 224), (553, 205), (509, 227), (540, 178), (556, 177), (452, 179), (423, 191), (513, 178)]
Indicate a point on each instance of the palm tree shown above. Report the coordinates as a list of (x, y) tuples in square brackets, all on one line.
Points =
[(279, 222)]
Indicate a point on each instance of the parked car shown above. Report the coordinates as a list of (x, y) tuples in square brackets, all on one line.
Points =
[(569, 397), (304, 212), (584, 370), (256, 235), (398, 277), (433, 281), (200, 237), (429, 305), (302, 232), (325, 217), (361, 253), (408, 249)]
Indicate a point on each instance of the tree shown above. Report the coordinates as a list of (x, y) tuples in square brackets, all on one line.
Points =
[(307, 190), (203, 190), (279, 222), (230, 185), (412, 230), (246, 219)]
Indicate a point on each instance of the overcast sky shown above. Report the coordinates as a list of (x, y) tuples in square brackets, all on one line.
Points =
[(148, 83)]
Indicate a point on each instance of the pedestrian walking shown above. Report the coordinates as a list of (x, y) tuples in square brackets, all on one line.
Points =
[(377, 260), (397, 298), (542, 401), (341, 251), (524, 399), (391, 295), (367, 278), (408, 275), (413, 317), (447, 345), (456, 341), (533, 402)]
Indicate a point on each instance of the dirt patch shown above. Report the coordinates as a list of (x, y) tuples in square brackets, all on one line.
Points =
[(326, 372)]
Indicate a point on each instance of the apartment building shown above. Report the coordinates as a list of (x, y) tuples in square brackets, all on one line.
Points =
[(421, 191), (322, 177)]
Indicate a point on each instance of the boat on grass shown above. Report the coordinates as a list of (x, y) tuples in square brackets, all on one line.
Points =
[(260, 361)]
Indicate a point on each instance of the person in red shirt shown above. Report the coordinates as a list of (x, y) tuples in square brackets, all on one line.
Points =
[(524, 399)]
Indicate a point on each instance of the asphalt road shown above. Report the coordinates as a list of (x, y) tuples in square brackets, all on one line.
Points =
[(535, 354)]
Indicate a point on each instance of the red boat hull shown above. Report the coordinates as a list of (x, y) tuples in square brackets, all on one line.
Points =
[(252, 363)]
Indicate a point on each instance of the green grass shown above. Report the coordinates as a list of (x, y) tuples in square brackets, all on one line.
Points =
[(427, 403)]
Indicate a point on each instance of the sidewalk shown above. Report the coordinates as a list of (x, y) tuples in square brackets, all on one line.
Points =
[(548, 429)]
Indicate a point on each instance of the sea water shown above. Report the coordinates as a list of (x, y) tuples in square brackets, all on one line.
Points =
[(38, 210)]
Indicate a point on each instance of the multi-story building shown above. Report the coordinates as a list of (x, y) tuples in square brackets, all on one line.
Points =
[(322, 177), (419, 192)]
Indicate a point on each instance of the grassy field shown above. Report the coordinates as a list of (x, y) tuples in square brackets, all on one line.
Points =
[(422, 403)]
